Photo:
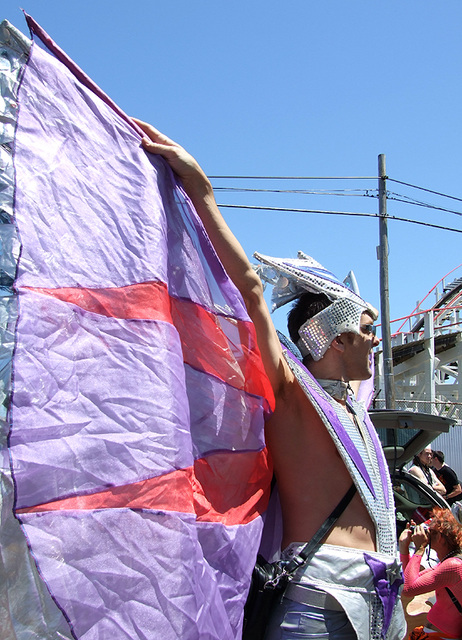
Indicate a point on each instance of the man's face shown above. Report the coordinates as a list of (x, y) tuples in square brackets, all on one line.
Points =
[(358, 349)]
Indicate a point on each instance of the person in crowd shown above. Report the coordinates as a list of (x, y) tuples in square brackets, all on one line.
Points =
[(421, 469), (443, 534), (448, 477), (340, 593)]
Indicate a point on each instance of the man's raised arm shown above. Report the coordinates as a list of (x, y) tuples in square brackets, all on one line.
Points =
[(198, 187)]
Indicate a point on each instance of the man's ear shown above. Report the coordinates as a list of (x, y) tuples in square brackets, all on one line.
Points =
[(337, 343)]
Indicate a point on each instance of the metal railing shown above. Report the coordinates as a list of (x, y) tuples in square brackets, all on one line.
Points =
[(442, 407)]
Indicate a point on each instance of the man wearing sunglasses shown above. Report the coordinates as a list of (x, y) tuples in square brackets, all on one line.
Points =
[(348, 588)]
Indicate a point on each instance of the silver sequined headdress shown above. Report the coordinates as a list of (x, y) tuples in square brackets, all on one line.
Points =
[(291, 277)]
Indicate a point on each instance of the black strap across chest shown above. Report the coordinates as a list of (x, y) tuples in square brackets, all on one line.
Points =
[(326, 526)]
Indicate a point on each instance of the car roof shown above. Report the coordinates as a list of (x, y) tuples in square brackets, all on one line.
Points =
[(405, 433)]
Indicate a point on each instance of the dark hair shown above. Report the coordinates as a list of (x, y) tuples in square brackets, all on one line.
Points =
[(439, 455), (306, 306), (445, 523), (416, 460)]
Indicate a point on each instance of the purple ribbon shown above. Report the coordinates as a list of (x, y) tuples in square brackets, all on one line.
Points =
[(386, 587)]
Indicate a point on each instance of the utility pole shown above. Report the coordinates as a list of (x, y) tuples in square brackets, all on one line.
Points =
[(384, 288)]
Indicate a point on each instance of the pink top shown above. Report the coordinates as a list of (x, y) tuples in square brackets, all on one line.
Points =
[(444, 613)]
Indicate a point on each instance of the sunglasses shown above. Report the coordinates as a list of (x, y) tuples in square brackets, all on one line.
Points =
[(370, 329)]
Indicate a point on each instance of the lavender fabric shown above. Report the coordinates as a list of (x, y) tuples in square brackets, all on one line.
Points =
[(132, 574), (386, 586), (120, 222), (101, 401), (84, 384)]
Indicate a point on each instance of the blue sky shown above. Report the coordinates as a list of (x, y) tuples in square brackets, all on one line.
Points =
[(295, 89)]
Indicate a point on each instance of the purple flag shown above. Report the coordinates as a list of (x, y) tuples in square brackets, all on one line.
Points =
[(135, 471)]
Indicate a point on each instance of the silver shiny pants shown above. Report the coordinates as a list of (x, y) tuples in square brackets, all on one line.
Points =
[(294, 621)]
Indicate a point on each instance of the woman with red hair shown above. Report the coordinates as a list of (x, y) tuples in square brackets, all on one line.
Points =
[(444, 535)]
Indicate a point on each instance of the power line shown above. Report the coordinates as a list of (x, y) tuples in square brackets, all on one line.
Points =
[(338, 213), (371, 193), (416, 203), (437, 193), (355, 193), (407, 184), (292, 177), (309, 192)]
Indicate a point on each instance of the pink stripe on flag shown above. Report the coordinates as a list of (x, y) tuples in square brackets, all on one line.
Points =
[(224, 487), (219, 345)]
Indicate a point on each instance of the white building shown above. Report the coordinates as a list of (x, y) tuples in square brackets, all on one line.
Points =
[(427, 358)]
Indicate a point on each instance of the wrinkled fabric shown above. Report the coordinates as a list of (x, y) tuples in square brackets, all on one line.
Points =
[(135, 428)]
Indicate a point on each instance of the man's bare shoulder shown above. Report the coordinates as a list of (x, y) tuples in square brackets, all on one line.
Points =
[(294, 411)]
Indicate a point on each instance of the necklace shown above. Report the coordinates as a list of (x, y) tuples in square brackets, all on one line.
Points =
[(450, 554), (338, 389)]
